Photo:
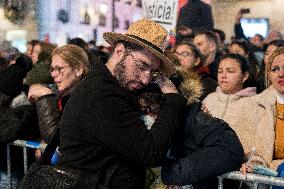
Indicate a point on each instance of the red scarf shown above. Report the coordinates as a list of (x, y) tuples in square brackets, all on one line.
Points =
[(59, 103)]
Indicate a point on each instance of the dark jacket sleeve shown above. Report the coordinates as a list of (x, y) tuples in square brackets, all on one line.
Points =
[(219, 151), (118, 126), (239, 32), (48, 116)]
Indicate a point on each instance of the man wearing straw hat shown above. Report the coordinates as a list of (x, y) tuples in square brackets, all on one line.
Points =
[(101, 132)]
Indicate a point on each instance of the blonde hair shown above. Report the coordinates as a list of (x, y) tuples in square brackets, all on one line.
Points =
[(276, 53), (74, 56)]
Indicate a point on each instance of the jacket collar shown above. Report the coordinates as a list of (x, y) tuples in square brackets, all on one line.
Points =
[(268, 96), (101, 72)]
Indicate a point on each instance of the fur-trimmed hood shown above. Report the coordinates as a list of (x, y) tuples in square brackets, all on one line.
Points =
[(191, 86)]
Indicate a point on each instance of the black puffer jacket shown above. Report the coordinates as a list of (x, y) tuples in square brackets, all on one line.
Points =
[(208, 148)]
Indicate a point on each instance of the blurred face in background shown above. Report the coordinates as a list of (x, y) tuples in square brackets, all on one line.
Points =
[(270, 49), (256, 40), (276, 73), (236, 49), (205, 47), (35, 53), (230, 76), (29, 51), (64, 76), (186, 57)]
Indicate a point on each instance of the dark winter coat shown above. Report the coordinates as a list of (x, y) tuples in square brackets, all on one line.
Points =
[(208, 148), (209, 85), (11, 84), (196, 15), (5, 102), (102, 134), (11, 78)]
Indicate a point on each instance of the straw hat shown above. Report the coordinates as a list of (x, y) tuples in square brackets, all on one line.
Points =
[(148, 34)]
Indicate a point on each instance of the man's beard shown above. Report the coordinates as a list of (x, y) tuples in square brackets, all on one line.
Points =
[(122, 77), (119, 72)]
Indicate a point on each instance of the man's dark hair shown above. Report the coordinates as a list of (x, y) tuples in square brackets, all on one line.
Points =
[(210, 36), (78, 42), (260, 36), (33, 42)]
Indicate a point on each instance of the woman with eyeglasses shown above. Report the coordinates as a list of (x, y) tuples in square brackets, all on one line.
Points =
[(69, 65), (190, 62)]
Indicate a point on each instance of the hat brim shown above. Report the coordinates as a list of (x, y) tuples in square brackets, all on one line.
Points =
[(166, 67)]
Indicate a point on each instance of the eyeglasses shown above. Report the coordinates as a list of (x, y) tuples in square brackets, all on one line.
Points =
[(57, 70), (184, 54), (143, 66)]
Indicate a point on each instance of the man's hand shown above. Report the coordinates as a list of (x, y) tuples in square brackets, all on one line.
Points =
[(164, 83), (239, 16), (251, 162)]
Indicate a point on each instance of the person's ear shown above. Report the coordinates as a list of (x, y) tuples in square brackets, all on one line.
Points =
[(245, 76), (197, 62), (119, 51), (79, 71)]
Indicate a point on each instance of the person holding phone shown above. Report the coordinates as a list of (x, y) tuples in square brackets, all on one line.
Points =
[(101, 133)]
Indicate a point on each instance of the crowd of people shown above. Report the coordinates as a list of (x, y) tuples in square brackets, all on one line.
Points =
[(141, 114)]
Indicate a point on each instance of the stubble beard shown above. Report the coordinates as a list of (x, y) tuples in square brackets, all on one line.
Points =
[(119, 72)]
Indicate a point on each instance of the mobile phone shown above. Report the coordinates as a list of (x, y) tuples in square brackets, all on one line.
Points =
[(245, 10)]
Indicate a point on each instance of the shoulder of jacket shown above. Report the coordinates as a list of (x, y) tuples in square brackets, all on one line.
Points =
[(207, 119)]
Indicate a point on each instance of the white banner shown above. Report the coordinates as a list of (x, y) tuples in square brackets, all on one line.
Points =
[(163, 12)]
